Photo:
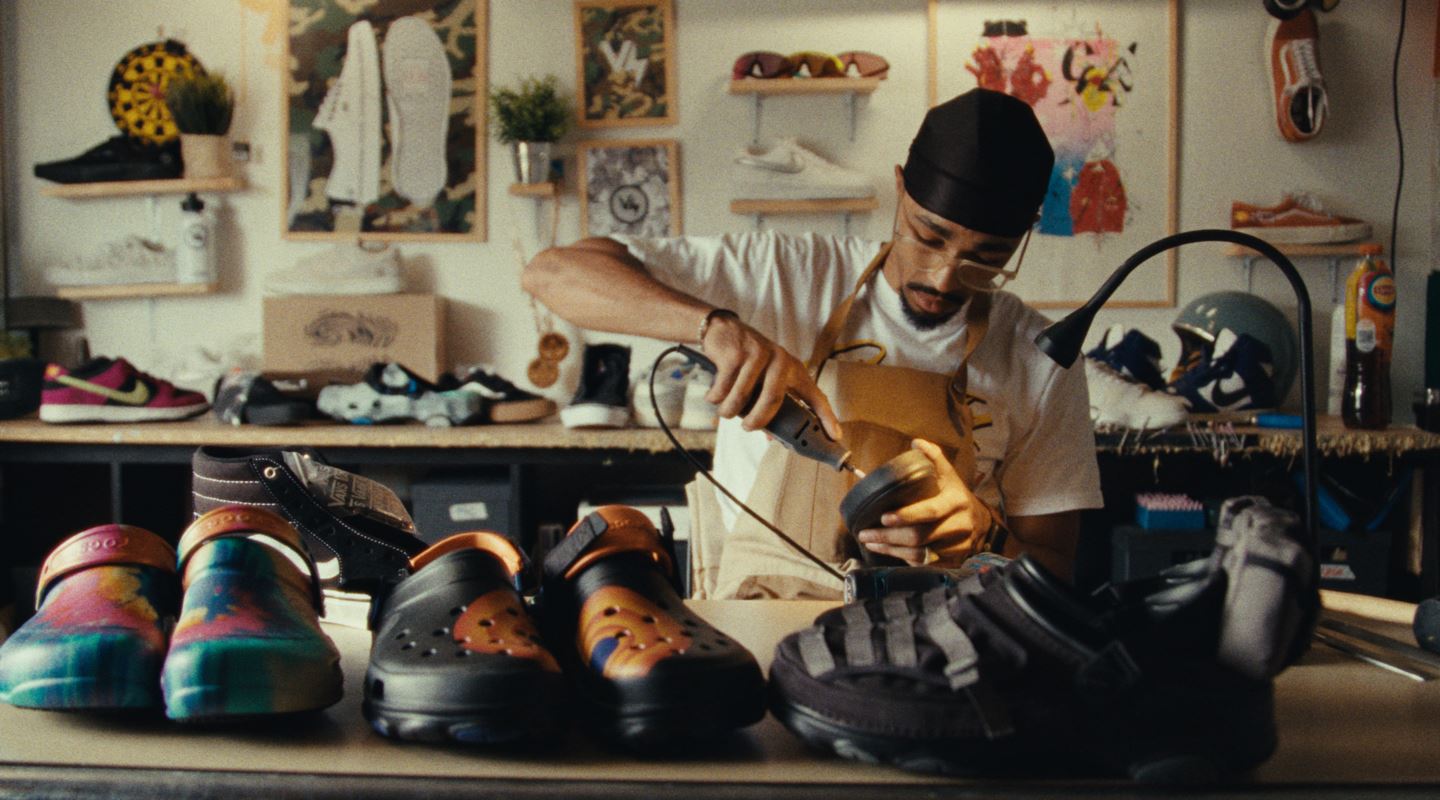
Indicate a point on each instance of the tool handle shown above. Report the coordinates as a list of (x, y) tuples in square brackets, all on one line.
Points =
[(795, 425)]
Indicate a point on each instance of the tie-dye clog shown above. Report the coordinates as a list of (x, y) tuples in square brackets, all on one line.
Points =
[(248, 641), (106, 601)]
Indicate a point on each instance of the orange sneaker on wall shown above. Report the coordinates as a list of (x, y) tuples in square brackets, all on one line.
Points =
[(1293, 46), (1296, 219)]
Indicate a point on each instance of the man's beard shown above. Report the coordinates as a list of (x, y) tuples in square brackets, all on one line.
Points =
[(923, 321)]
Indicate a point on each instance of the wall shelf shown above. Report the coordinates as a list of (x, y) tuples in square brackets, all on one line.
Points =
[(760, 88), (79, 191), (132, 290), (539, 190), (773, 86), (1334, 252)]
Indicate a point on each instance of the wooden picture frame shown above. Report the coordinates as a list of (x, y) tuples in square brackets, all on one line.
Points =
[(384, 119), (625, 63), (1116, 140), (631, 187)]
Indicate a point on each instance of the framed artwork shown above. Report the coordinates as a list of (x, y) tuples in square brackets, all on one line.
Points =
[(625, 63), (1102, 78), (630, 186), (384, 119)]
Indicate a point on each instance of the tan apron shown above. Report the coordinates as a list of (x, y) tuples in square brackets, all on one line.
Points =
[(881, 409)]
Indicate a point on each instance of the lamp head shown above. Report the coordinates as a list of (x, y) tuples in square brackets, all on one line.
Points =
[(1063, 340)]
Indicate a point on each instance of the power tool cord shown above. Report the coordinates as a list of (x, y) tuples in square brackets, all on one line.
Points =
[(700, 468)]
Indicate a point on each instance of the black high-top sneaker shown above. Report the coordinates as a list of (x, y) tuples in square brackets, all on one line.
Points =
[(603, 397), (358, 530)]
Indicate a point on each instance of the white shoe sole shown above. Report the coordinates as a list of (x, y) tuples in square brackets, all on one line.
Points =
[(417, 90), (1311, 234), (79, 413), (595, 415)]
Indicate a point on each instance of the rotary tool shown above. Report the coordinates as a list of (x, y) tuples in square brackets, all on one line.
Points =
[(795, 426)]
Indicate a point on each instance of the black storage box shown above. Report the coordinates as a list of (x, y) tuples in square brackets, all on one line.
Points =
[(444, 503)]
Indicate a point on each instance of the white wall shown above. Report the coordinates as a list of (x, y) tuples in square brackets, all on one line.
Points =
[(58, 54)]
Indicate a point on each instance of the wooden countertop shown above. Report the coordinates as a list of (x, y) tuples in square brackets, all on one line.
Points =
[(1341, 722), (207, 430)]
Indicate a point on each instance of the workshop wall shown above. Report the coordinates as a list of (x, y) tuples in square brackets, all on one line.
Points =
[(58, 54)]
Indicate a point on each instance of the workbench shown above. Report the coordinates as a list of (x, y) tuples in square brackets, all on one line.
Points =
[(1347, 729)]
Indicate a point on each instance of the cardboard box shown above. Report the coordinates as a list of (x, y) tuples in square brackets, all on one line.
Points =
[(350, 332)]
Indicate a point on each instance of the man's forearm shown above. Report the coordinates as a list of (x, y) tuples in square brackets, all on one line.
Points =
[(598, 285)]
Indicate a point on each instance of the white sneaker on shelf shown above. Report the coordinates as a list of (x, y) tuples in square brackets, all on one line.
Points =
[(1117, 402), (130, 259), (342, 269), (790, 171), (699, 413), (670, 383)]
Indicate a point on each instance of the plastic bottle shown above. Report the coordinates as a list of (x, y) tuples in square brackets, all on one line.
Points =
[(1369, 337), (195, 253)]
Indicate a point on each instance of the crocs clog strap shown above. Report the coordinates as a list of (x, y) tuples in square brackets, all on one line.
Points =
[(104, 544), (242, 521)]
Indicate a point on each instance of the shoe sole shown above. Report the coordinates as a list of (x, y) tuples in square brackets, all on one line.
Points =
[(81, 694), (237, 699), (524, 723), (595, 415), (508, 411), (673, 727), (1190, 755), (83, 413), (1310, 234)]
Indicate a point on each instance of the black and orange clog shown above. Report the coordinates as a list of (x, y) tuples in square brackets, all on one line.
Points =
[(649, 672), (456, 656)]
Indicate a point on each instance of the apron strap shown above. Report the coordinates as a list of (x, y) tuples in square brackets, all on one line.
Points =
[(977, 324)]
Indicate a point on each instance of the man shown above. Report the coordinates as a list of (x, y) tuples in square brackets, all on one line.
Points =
[(913, 346)]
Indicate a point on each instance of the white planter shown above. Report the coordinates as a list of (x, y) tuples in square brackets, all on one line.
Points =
[(532, 161)]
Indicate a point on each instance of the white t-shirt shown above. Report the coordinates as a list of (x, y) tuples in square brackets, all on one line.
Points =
[(1035, 444)]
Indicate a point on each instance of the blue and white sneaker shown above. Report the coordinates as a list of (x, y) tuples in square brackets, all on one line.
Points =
[(1239, 376), (392, 393), (1133, 355)]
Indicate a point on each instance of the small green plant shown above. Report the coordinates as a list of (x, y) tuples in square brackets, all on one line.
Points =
[(201, 103), (532, 112)]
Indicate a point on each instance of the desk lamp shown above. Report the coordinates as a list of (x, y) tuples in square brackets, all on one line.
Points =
[(1063, 340)]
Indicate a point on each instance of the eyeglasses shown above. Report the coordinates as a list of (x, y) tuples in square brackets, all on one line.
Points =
[(971, 274)]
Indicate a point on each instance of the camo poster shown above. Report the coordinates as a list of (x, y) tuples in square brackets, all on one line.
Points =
[(625, 63), (631, 187), (385, 118), (1096, 75)]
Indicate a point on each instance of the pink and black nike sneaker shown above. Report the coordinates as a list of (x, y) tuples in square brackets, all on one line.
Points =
[(106, 390)]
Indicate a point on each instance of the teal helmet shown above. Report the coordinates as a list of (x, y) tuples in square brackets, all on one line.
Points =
[(1202, 319)]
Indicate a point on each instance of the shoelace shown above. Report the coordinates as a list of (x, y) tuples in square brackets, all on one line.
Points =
[(1308, 64)]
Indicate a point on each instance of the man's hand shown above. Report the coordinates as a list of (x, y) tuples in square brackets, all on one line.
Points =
[(950, 525), (744, 361)]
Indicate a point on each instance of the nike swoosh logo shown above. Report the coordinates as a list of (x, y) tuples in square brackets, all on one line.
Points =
[(139, 395), (1226, 400)]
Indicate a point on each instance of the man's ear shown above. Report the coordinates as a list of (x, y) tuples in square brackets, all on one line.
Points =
[(899, 180)]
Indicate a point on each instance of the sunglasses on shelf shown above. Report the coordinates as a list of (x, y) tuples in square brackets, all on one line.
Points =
[(862, 64), (762, 64), (814, 64)]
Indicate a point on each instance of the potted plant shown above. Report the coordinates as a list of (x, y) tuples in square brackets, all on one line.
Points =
[(530, 118), (202, 106)]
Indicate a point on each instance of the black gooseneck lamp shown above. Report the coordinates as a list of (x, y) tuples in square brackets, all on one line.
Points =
[(1063, 340)]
